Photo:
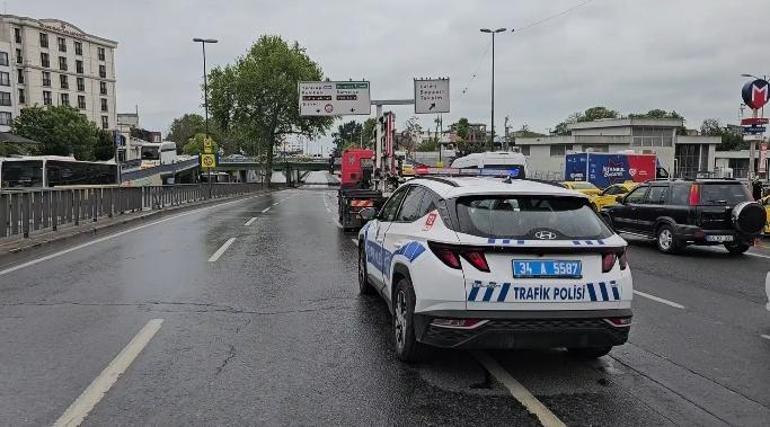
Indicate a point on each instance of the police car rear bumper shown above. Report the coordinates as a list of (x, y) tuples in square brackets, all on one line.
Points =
[(525, 329)]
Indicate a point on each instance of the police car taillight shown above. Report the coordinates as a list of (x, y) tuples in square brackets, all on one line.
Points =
[(446, 255), (477, 259), (608, 261), (619, 322)]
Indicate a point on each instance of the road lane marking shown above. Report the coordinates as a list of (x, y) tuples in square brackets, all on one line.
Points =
[(221, 250), (518, 391), (276, 203), (266, 209), (767, 337), (250, 221), (758, 255), (659, 299), (355, 241), (111, 236), (79, 409)]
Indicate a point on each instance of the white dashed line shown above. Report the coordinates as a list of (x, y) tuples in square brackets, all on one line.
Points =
[(518, 391), (758, 255), (79, 409), (659, 299), (767, 337), (276, 203), (266, 209), (355, 241), (251, 221), (221, 250)]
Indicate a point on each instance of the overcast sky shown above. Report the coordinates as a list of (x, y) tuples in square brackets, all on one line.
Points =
[(630, 55)]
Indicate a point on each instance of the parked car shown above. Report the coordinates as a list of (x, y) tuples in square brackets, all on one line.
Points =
[(690, 212), (766, 203), (609, 195)]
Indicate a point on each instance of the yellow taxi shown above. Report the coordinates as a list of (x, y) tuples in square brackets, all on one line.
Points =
[(608, 196), (582, 187)]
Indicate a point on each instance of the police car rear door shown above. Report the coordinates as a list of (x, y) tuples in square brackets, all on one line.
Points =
[(374, 236)]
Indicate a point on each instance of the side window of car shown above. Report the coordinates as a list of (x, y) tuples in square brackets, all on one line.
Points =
[(657, 195), (637, 196), (389, 211), (610, 191), (680, 194), (410, 210)]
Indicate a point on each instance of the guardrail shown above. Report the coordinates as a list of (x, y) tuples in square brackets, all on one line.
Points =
[(22, 212)]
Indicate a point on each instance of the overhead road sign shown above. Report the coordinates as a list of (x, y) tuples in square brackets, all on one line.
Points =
[(431, 96), (756, 93), (334, 98)]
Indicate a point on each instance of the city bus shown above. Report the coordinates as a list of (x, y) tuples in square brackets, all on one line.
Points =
[(54, 171), (156, 154)]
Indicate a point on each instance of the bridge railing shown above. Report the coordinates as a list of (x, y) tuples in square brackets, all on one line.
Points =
[(26, 211)]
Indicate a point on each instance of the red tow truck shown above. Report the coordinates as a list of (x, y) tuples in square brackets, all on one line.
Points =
[(356, 187)]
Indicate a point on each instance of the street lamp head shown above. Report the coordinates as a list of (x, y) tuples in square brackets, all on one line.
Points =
[(485, 30), (199, 40), (500, 30)]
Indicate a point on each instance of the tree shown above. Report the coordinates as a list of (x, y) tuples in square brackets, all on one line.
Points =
[(61, 129), (428, 144), (195, 145), (185, 127), (257, 96), (104, 149), (596, 113), (711, 127), (412, 133), (348, 134), (369, 131), (461, 128)]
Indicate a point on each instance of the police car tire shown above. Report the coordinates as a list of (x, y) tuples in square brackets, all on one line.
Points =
[(364, 287), (410, 350), (737, 248), (589, 352)]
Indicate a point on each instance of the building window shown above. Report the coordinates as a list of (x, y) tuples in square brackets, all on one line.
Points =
[(103, 88), (62, 44), (22, 98), (104, 104), (5, 99), (65, 99), (78, 48), (103, 71), (64, 82), (17, 34), (557, 150), (79, 66), (81, 102), (100, 53), (4, 58), (81, 84), (45, 61), (105, 122), (46, 79), (20, 76), (63, 63), (43, 40), (46, 97), (5, 78), (5, 118), (19, 57)]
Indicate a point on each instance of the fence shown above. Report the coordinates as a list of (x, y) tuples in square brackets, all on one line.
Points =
[(22, 212)]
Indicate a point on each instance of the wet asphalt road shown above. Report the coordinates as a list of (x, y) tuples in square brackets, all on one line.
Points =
[(274, 333)]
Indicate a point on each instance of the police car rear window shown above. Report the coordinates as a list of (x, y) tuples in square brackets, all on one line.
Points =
[(520, 217)]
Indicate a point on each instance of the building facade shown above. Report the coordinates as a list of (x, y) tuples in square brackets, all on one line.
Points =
[(684, 155), (51, 62)]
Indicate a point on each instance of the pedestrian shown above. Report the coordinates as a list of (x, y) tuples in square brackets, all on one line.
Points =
[(756, 188)]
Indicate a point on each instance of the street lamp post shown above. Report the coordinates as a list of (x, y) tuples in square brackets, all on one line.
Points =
[(492, 119), (206, 92)]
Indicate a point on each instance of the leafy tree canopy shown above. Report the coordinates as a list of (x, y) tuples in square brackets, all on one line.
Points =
[(195, 144), (62, 130)]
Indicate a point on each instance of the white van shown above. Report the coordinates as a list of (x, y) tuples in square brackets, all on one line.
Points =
[(497, 160)]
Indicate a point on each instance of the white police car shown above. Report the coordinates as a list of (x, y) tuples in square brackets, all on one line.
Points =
[(472, 262)]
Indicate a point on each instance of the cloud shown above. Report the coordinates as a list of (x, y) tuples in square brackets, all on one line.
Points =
[(628, 55)]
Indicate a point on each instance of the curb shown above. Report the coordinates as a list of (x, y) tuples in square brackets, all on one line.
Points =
[(92, 229)]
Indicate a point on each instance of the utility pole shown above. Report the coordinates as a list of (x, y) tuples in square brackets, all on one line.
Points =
[(206, 94)]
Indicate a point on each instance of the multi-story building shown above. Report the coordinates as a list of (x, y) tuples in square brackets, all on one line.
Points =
[(52, 62)]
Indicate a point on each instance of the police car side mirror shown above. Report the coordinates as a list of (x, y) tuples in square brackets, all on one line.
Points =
[(368, 214), (621, 199)]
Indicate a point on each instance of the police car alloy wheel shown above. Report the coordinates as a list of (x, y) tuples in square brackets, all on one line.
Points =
[(407, 347)]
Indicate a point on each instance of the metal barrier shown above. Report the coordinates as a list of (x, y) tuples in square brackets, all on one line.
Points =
[(22, 212)]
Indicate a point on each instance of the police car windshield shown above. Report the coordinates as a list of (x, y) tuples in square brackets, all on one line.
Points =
[(522, 216)]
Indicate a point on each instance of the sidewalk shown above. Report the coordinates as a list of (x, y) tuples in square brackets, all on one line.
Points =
[(90, 228)]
